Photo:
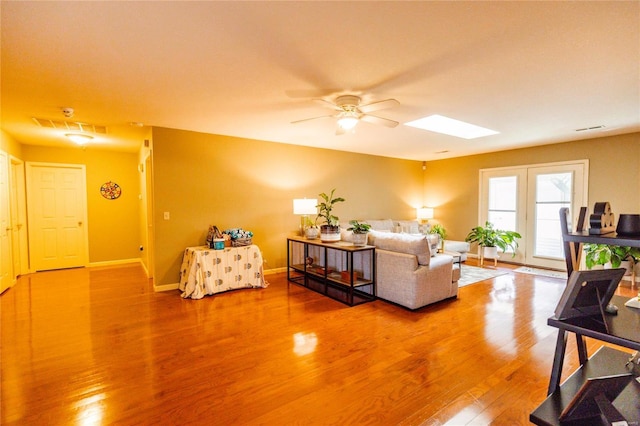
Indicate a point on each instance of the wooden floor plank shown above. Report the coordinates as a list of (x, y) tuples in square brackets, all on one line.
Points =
[(98, 346)]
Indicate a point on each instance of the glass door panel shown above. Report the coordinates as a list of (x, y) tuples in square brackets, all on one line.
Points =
[(551, 188)]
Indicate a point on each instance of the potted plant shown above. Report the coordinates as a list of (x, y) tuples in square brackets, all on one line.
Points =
[(491, 239), (360, 232), (311, 230), (330, 231), (440, 233), (615, 256)]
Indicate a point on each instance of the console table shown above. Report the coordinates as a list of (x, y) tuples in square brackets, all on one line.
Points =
[(207, 271), (339, 270), (624, 330)]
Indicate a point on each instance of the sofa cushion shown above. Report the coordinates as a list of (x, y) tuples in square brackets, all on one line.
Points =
[(380, 225), (402, 243), (409, 226), (459, 246)]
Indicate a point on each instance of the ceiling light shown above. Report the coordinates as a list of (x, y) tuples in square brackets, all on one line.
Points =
[(78, 138), (449, 126), (348, 120)]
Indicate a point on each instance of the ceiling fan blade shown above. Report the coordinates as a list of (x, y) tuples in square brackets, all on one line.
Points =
[(310, 93), (312, 118), (379, 120), (328, 103), (375, 106)]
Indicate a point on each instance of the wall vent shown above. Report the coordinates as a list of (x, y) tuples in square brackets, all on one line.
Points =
[(75, 126), (591, 128)]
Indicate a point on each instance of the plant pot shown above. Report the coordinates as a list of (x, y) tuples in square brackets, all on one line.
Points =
[(329, 234), (628, 265), (360, 239), (311, 233), (490, 252)]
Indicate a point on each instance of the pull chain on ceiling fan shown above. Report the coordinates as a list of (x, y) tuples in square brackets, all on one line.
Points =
[(350, 112)]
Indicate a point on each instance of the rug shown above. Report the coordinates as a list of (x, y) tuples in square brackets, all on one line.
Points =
[(543, 272), (473, 274)]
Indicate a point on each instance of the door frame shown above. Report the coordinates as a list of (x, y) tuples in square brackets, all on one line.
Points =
[(577, 200), (7, 278), (522, 221), (84, 261), (18, 206)]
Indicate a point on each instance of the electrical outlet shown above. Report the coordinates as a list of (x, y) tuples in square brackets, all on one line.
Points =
[(167, 216)]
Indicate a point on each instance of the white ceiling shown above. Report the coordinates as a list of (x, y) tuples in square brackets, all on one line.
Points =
[(534, 71)]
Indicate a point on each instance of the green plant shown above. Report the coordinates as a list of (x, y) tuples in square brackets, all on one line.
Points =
[(325, 207), (488, 236), (359, 228), (601, 254), (439, 229), (309, 222)]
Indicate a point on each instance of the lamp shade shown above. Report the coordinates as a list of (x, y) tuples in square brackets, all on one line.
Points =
[(425, 213), (305, 206)]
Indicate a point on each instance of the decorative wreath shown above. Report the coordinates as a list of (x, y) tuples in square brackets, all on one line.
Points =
[(110, 190)]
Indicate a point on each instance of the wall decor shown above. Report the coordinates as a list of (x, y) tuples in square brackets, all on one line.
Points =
[(110, 190)]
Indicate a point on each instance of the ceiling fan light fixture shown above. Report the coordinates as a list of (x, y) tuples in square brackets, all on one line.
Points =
[(348, 120), (347, 123), (79, 138)]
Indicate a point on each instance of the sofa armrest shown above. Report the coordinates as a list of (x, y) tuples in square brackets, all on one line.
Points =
[(400, 279)]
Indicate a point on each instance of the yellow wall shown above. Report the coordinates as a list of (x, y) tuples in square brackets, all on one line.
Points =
[(113, 224), (202, 179), (9, 145), (145, 182), (451, 186)]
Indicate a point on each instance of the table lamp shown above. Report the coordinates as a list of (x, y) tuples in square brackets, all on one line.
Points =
[(424, 214), (304, 207)]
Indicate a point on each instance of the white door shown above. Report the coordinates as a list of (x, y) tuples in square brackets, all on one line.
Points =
[(18, 218), (549, 189), (6, 260), (57, 216), (528, 199), (503, 203)]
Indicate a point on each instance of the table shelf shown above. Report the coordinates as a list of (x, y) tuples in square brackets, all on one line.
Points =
[(622, 330), (606, 361), (330, 269)]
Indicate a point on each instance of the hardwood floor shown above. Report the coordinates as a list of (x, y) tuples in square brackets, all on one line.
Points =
[(98, 346)]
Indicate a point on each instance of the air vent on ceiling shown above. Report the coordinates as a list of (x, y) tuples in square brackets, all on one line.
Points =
[(70, 125), (591, 128)]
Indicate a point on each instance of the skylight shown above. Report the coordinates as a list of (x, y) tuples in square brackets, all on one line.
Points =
[(449, 126)]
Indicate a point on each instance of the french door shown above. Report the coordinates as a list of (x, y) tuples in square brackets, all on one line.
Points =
[(527, 199)]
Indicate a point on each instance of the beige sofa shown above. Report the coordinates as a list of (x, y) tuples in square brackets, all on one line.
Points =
[(406, 272), (413, 227)]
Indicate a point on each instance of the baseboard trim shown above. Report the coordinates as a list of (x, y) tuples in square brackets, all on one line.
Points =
[(166, 287), (114, 262), (176, 286), (275, 270)]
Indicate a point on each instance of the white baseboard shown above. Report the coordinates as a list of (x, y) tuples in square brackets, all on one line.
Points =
[(114, 262), (166, 287), (275, 270)]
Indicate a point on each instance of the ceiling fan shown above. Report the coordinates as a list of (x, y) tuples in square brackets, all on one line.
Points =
[(349, 112)]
